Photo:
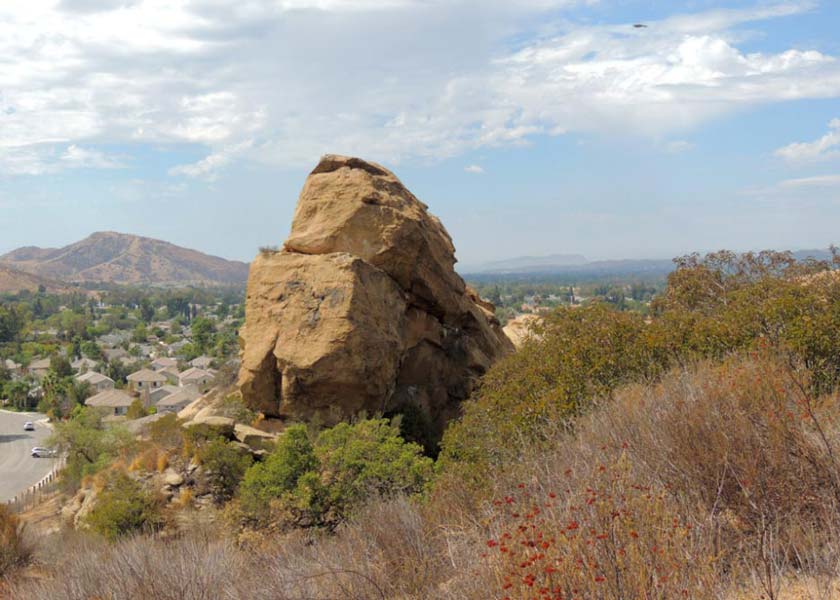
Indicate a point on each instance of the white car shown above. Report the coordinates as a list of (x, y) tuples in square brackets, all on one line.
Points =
[(39, 452), (29, 426)]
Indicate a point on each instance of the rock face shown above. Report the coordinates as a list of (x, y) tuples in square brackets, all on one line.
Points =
[(362, 309), (519, 329)]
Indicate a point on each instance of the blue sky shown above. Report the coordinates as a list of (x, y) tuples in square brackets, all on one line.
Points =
[(530, 127)]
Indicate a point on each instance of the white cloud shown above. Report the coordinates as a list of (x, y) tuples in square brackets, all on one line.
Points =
[(283, 81), (819, 181), (44, 158), (207, 167), (76, 157), (476, 169), (798, 189), (828, 146)]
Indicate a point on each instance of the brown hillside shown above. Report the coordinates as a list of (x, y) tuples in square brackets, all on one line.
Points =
[(12, 280), (127, 259)]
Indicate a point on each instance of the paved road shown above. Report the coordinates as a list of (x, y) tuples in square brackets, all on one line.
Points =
[(18, 469)]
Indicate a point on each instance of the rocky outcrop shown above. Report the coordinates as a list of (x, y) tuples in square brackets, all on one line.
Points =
[(520, 329), (362, 310)]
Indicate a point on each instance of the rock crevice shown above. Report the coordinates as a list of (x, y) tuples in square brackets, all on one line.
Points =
[(362, 310)]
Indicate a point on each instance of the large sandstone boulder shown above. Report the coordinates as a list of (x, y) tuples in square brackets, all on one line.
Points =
[(362, 310)]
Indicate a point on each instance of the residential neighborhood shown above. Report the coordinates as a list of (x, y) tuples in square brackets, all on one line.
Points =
[(111, 349)]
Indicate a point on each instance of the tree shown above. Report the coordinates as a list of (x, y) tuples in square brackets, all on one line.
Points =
[(76, 349), (202, 333), (136, 410), (12, 321), (78, 391), (140, 334), (88, 444), (18, 394), (147, 311), (91, 350), (60, 366)]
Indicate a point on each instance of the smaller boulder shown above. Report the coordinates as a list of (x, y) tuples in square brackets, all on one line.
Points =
[(221, 425), (192, 409), (172, 478), (252, 436)]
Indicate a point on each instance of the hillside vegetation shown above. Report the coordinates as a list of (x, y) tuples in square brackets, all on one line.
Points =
[(692, 453)]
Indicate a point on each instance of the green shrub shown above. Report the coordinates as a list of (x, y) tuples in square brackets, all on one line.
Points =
[(225, 464), (581, 353), (122, 507), (324, 482), (89, 445), (278, 475), (712, 307), (368, 459)]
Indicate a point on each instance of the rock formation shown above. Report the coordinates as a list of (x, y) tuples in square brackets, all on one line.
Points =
[(362, 309), (520, 329)]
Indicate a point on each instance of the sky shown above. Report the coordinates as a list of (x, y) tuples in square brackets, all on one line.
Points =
[(532, 127)]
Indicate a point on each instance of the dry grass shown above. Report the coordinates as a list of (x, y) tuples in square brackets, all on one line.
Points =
[(15, 547), (719, 481), (729, 472)]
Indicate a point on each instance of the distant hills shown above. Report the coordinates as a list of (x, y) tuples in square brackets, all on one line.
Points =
[(565, 265), (121, 258), (530, 263), (12, 280)]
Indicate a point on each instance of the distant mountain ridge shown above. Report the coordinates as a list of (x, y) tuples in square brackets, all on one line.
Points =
[(531, 263), (126, 259), (564, 264)]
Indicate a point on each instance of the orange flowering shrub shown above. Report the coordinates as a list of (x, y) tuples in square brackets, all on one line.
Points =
[(606, 537)]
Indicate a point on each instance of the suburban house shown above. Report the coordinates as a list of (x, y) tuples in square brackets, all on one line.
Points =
[(176, 347), (202, 362), (173, 376), (83, 364), (112, 354), (144, 350), (97, 381), (163, 362), (127, 361), (179, 400), (116, 401), (198, 377), (145, 380), (158, 394), (39, 368)]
